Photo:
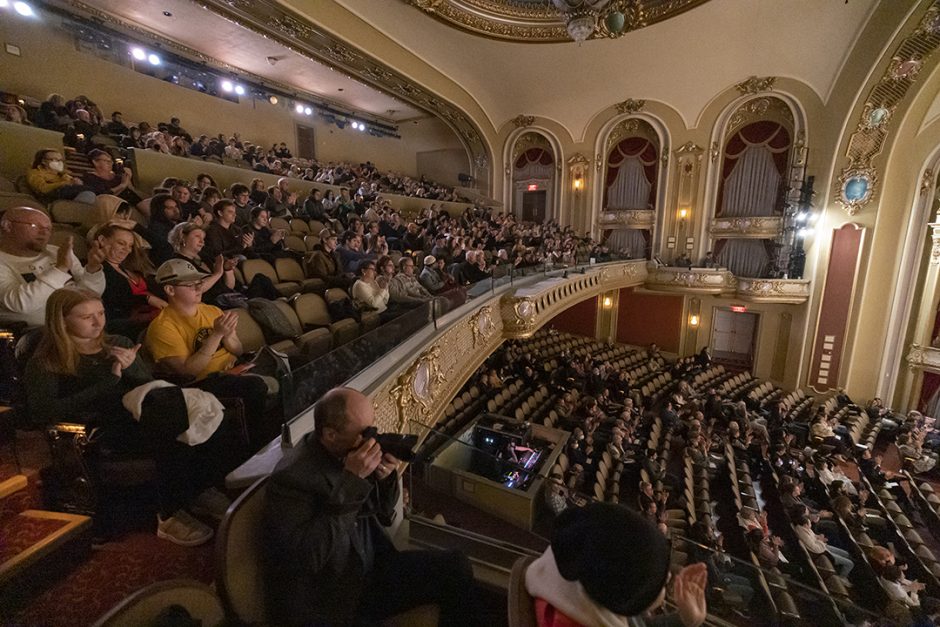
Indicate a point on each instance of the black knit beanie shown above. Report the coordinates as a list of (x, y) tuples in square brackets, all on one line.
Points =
[(620, 558)]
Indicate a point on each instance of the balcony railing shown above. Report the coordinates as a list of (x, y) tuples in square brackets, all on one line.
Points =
[(627, 218), (722, 281), (757, 227)]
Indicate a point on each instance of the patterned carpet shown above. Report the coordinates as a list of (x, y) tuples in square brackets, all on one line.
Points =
[(114, 571)]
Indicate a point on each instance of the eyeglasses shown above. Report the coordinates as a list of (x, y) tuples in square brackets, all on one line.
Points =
[(104, 159), (191, 284), (34, 226)]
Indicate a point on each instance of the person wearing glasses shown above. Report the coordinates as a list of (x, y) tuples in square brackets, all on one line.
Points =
[(50, 180), (104, 179), (31, 269), (191, 340)]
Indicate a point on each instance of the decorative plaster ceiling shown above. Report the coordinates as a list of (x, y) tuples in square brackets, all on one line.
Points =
[(538, 21)]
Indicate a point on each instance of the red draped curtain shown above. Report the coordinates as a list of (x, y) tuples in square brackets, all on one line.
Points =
[(534, 155), (638, 148)]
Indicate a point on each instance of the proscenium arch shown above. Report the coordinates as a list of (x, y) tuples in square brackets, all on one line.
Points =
[(663, 173), (719, 135), (508, 162)]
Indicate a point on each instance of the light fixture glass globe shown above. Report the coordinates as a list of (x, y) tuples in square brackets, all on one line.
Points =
[(580, 28)]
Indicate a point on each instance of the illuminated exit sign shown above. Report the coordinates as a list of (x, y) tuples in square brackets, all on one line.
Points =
[(738, 308), (533, 187)]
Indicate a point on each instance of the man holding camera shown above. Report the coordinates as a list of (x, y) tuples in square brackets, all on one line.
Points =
[(329, 562)]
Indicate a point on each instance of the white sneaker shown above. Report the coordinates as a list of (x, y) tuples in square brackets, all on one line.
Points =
[(212, 503), (183, 529)]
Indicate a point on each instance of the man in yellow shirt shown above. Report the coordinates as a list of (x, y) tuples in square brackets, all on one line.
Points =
[(191, 339)]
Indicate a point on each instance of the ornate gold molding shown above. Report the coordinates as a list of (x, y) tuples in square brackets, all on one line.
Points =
[(482, 326), (689, 148), (521, 121), (755, 85), (858, 182), (691, 281), (762, 108), (627, 218), (631, 127), (923, 358), (751, 227), (630, 106), (934, 243), (783, 291), (415, 389), (530, 139), (540, 22)]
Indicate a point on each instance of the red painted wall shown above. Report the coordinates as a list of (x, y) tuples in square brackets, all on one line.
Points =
[(646, 318), (580, 319)]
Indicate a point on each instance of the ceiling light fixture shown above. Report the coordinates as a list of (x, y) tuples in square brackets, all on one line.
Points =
[(153, 59), (23, 9), (299, 108), (4, 4), (227, 86), (138, 53), (308, 110), (272, 100), (239, 90), (580, 16)]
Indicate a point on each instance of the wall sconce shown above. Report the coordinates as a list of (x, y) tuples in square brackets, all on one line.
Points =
[(578, 183), (608, 302), (693, 321), (683, 213)]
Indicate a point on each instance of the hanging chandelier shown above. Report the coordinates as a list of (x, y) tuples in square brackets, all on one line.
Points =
[(580, 16)]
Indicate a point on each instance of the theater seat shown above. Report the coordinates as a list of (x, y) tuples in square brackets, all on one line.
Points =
[(145, 605), (521, 605), (369, 319), (251, 267), (312, 343), (289, 271), (313, 313)]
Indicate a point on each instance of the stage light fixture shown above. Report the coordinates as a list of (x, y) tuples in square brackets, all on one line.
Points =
[(239, 90), (299, 108), (4, 4), (308, 111), (153, 59), (227, 86), (138, 53)]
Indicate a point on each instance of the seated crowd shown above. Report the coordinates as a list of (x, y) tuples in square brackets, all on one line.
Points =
[(819, 490), (84, 125)]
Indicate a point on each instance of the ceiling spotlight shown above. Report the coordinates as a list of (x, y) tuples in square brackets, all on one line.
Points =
[(153, 59), (272, 100), (4, 4), (362, 126), (308, 111), (299, 108), (167, 14), (239, 90), (138, 53), (227, 86), (23, 9)]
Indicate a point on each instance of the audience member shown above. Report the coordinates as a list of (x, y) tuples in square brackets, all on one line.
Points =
[(49, 179)]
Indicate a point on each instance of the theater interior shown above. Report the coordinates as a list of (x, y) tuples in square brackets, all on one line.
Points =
[(754, 193)]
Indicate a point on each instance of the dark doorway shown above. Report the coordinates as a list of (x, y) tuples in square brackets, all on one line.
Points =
[(306, 142), (533, 206)]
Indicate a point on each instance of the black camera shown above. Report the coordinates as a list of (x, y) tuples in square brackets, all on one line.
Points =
[(398, 445)]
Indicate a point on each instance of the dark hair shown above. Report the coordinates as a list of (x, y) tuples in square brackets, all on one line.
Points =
[(203, 175), (40, 156), (208, 192), (239, 188), (256, 211), (220, 205), (158, 207), (97, 152), (114, 113)]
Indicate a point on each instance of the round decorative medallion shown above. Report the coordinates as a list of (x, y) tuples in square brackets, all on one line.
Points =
[(877, 117), (856, 188), (422, 381)]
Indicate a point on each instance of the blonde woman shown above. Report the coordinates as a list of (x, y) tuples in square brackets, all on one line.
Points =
[(131, 300), (80, 374)]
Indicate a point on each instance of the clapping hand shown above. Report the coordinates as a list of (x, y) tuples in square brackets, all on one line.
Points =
[(63, 259), (248, 239), (688, 593), (96, 257), (226, 323), (123, 358)]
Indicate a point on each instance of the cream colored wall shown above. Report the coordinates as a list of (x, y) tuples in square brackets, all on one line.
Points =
[(50, 62)]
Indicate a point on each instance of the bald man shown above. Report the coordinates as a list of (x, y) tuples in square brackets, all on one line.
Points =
[(31, 269), (329, 561)]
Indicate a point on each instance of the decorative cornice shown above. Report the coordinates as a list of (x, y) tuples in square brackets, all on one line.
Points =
[(761, 108), (578, 159), (690, 280), (755, 85), (689, 148), (540, 22), (934, 243), (783, 291), (273, 21), (751, 227), (522, 121), (630, 106), (627, 218), (858, 182), (923, 358)]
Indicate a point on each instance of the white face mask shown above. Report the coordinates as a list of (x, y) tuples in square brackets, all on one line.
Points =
[(57, 166)]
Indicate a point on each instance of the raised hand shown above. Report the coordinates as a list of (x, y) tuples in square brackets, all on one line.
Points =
[(386, 466), (363, 461), (123, 358), (96, 257), (688, 593), (63, 259)]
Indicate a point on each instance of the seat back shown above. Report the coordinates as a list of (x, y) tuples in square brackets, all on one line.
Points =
[(297, 225), (280, 223), (521, 606), (142, 607), (251, 267), (335, 293), (290, 315), (311, 309), (239, 579), (248, 331), (289, 270), (311, 242), (296, 243)]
